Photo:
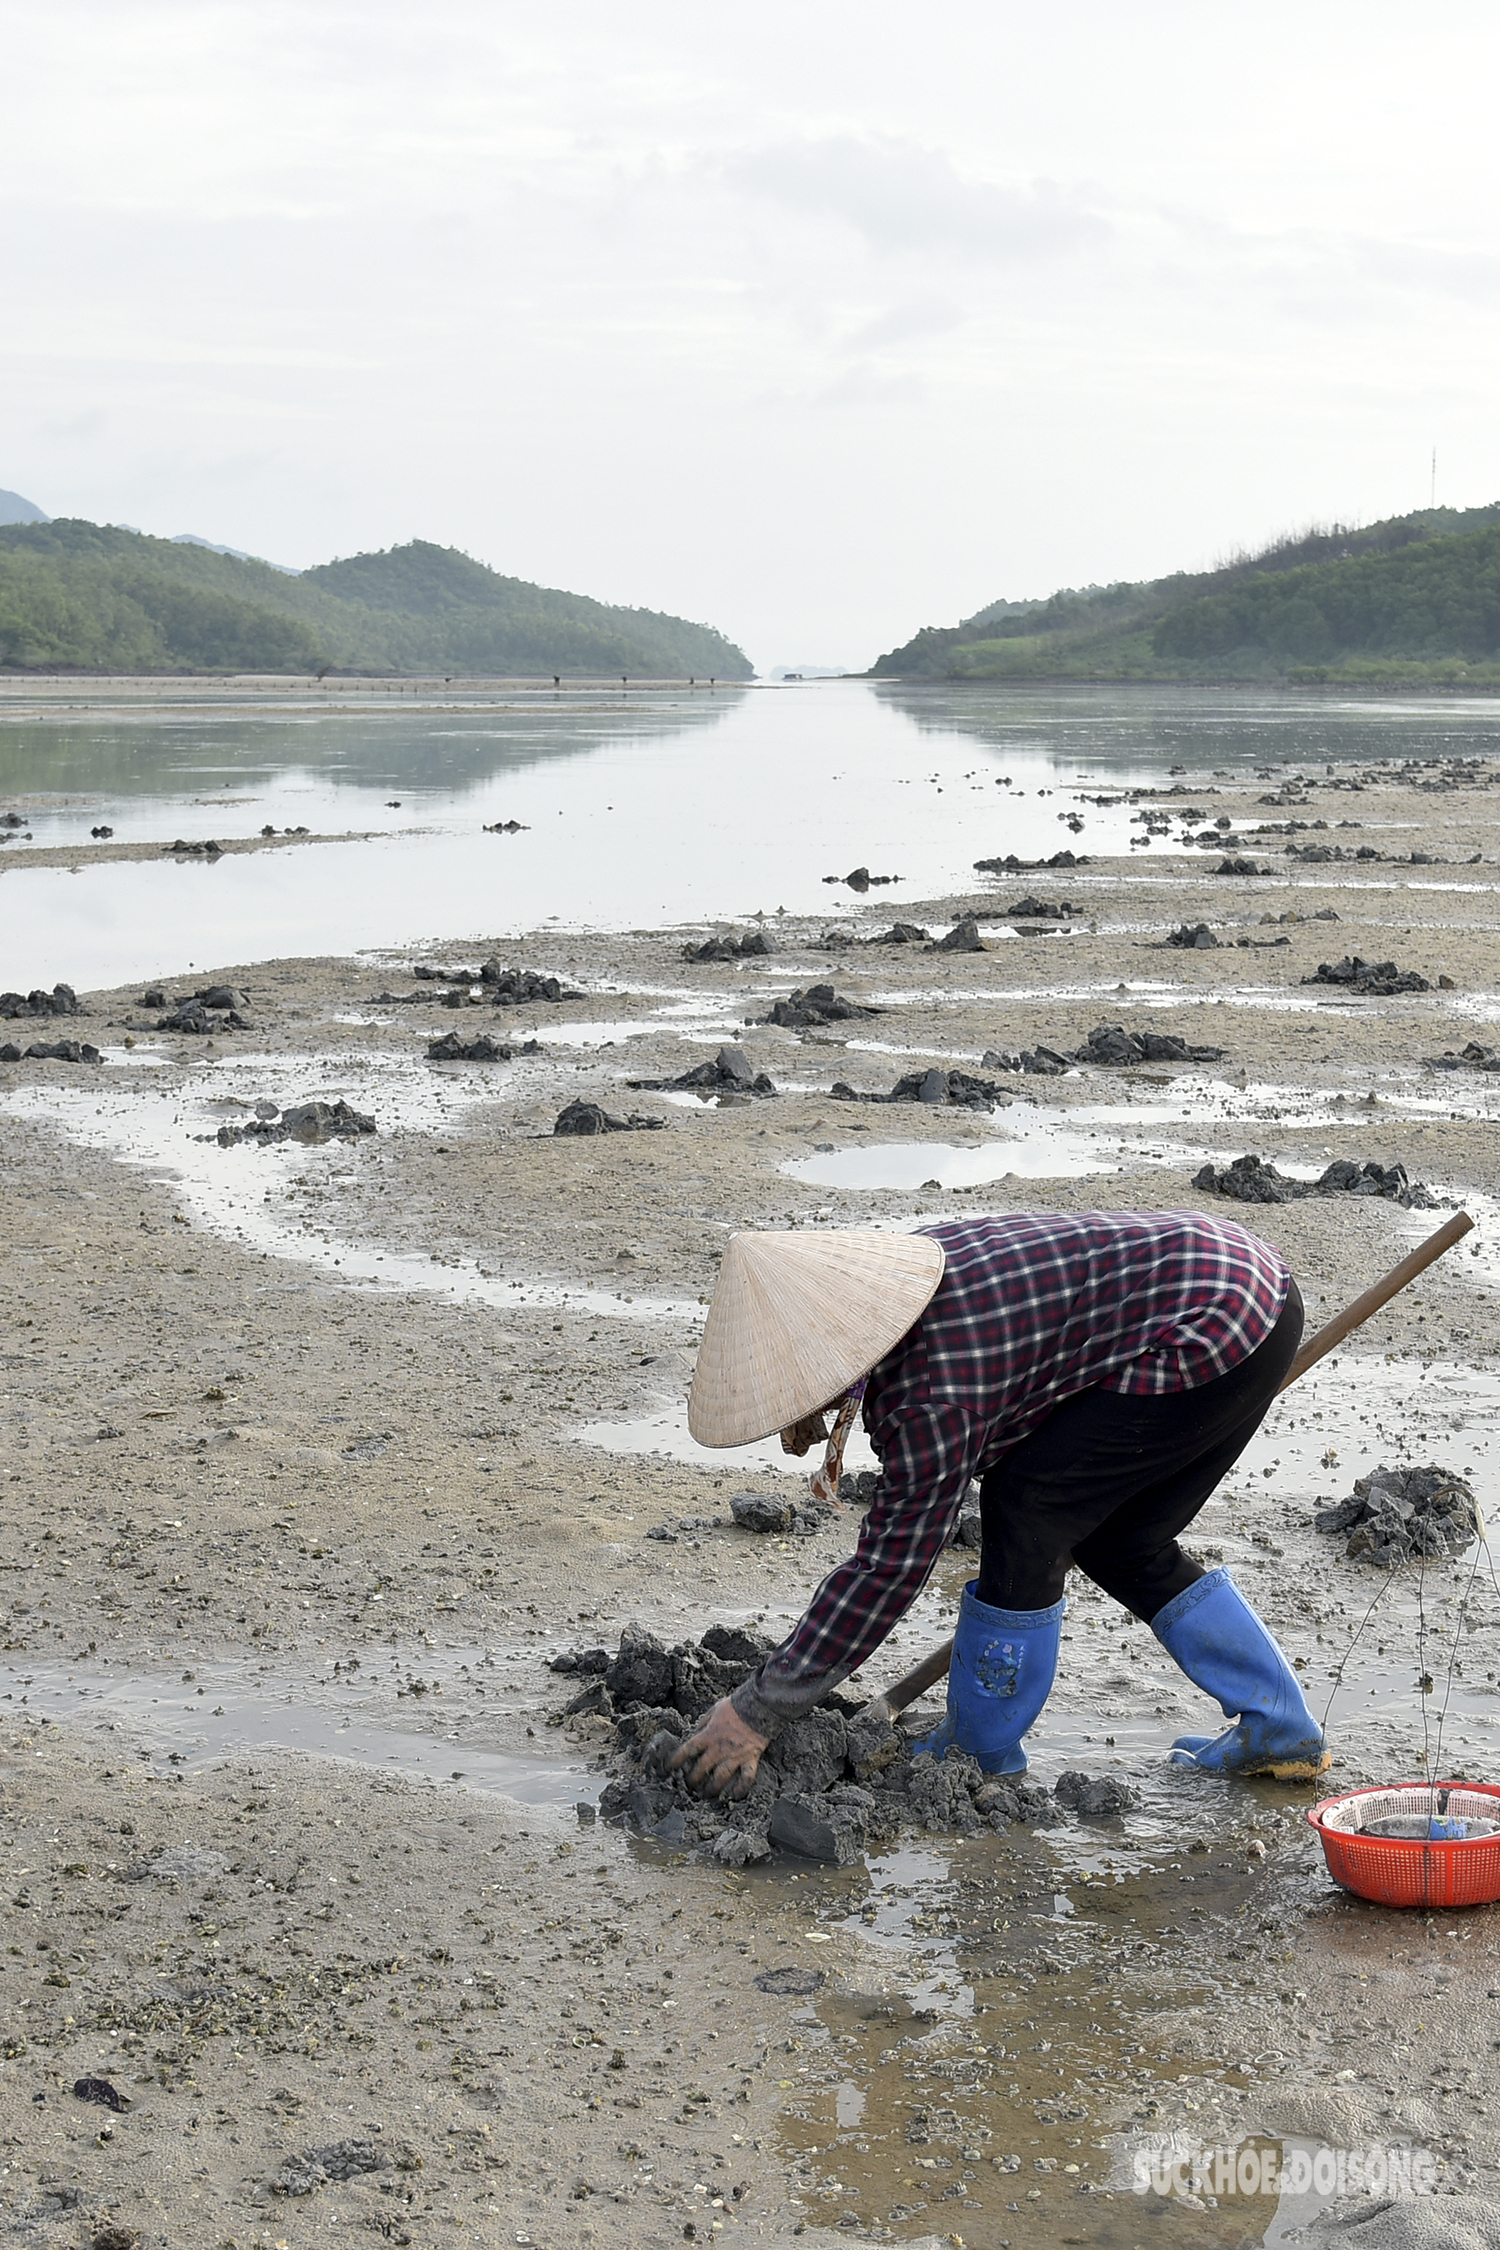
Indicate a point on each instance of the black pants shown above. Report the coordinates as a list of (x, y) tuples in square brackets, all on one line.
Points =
[(1107, 1482)]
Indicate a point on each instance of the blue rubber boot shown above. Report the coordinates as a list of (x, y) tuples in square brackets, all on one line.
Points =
[(1213, 1634), (1004, 1663)]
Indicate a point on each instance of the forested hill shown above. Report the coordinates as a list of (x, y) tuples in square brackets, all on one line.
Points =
[(1411, 599), (93, 596)]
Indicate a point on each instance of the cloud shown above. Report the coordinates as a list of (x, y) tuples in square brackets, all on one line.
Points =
[(908, 323), (903, 197)]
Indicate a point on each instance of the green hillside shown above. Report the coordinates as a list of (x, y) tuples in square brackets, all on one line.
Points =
[(1413, 599), (94, 597)]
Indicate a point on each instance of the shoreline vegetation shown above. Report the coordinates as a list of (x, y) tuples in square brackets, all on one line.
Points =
[(96, 598), (1410, 602)]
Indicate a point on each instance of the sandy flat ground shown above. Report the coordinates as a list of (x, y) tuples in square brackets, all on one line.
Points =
[(247, 1470)]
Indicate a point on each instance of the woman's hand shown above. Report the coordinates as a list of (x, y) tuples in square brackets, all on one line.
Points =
[(722, 1754)]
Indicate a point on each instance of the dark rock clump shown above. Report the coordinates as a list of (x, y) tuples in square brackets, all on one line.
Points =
[(1193, 937), (1377, 978), (1036, 1062), (508, 988), (62, 1000), (940, 1089), (899, 933), (207, 849), (1010, 865), (451, 1048), (1239, 866), (730, 1072), (55, 1050), (218, 1007), (313, 1123), (1395, 1515), (588, 1117), (830, 1786), (523, 988), (1111, 1045), (964, 937), (1031, 909), (860, 879), (752, 942), (1249, 1180), (817, 1004)]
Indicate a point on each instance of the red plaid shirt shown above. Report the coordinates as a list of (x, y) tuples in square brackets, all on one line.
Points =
[(1030, 1310)]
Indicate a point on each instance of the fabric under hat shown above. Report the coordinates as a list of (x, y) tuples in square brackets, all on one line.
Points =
[(796, 1318)]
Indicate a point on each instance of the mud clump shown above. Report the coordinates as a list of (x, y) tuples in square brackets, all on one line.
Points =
[(323, 2167), (778, 1512), (730, 1072), (836, 1782), (1103, 1798), (1373, 979), (1474, 1056), (1193, 937), (1394, 1515), (1249, 1180)]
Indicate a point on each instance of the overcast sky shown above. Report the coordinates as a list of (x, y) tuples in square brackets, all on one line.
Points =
[(818, 322)]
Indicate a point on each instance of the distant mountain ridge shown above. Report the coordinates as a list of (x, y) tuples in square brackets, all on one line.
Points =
[(215, 547), (97, 597), (15, 509), (1412, 598)]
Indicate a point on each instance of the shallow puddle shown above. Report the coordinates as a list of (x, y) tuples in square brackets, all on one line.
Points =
[(245, 1195), (993, 2063), (187, 1720), (1048, 1152), (664, 1435)]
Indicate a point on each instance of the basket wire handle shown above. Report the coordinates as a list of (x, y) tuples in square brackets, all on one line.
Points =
[(1338, 1677), (1482, 1546)]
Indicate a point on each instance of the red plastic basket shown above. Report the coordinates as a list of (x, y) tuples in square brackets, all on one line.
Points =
[(1395, 1871)]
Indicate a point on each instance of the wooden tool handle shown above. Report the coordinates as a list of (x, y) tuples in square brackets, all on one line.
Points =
[(1354, 1316), (932, 1667), (919, 1679)]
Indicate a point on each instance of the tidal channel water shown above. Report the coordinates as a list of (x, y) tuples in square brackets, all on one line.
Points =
[(638, 810)]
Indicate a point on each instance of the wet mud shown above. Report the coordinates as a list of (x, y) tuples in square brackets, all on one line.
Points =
[(360, 1431)]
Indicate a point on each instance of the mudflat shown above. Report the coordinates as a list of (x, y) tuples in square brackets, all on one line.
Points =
[(320, 1445)]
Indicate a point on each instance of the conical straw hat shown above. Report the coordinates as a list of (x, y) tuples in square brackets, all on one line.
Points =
[(796, 1319)]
